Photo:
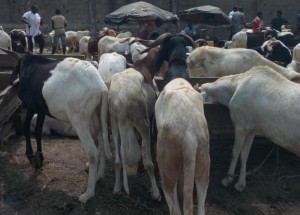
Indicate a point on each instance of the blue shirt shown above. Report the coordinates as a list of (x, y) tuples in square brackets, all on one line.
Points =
[(190, 32)]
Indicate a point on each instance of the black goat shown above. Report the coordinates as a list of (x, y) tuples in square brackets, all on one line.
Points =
[(173, 52)]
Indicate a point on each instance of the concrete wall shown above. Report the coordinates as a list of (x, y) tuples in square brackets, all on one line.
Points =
[(79, 14)]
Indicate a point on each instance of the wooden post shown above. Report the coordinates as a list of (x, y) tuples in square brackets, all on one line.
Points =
[(92, 16)]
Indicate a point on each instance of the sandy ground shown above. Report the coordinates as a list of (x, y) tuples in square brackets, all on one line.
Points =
[(55, 188)]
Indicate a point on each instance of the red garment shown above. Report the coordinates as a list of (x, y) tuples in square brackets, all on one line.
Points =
[(256, 24), (145, 29)]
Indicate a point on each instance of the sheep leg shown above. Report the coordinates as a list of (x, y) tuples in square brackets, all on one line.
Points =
[(102, 160), (170, 191), (122, 129), (241, 184), (238, 144), (168, 170), (201, 188), (29, 152), (143, 128), (88, 144), (104, 113), (116, 139), (96, 130), (38, 136), (201, 179), (188, 186)]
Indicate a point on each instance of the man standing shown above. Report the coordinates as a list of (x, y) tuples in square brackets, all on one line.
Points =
[(278, 21), (34, 21), (234, 9), (298, 21), (190, 30), (237, 21), (59, 23), (257, 23)]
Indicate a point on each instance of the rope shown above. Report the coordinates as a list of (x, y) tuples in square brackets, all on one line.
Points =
[(262, 163)]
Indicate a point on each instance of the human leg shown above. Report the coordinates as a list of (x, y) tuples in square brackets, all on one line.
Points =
[(39, 39), (30, 43), (63, 42), (54, 44)]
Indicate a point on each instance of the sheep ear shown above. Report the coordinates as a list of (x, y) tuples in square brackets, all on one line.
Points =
[(296, 79), (197, 87), (129, 65)]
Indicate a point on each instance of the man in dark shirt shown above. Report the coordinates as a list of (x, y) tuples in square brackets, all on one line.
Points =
[(278, 21), (298, 20)]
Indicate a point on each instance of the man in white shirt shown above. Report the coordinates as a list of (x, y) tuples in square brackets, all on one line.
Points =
[(34, 21), (234, 9)]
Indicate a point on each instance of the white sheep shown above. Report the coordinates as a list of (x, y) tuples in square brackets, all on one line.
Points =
[(58, 126), (209, 61), (131, 104), (83, 46), (109, 44), (5, 40), (110, 64), (182, 146), (260, 102)]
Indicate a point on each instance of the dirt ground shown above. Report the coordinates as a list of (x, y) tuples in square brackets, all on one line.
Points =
[(55, 188)]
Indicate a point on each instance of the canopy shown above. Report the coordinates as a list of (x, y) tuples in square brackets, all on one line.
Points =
[(140, 11), (206, 15)]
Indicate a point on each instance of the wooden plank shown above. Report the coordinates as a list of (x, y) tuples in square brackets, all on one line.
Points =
[(7, 61), (9, 102), (61, 56), (5, 77), (10, 62), (6, 130), (6, 69), (218, 119), (18, 118), (193, 81)]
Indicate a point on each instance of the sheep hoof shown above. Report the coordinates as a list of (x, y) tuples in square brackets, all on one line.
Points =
[(39, 159), (239, 187), (226, 181), (84, 198), (116, 192), (126, 188), (157, 197), (36, 160), (86, 167)]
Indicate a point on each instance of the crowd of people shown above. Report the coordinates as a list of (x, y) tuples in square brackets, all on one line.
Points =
[(33, 21), (236, 17)]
